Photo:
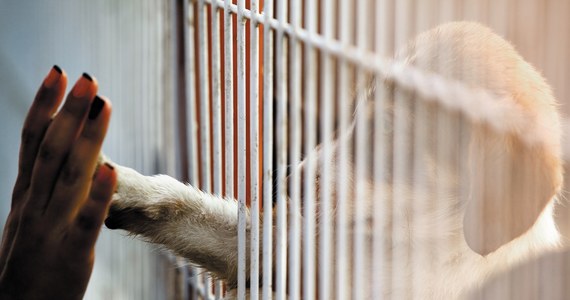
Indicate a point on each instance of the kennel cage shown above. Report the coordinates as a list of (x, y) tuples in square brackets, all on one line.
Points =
[(268, 81)]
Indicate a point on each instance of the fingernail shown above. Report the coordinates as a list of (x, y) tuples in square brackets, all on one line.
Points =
[(82, 85), (52, 77), (96, 107), (102, 173), (87, 76)]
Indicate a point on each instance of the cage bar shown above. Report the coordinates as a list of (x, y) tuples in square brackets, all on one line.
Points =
[(228, 99), (241, 148), (294, 182), (254, 153), (325, 222), (374, 119), (310, 162), (268, 148), (281, 124), (361, 269)]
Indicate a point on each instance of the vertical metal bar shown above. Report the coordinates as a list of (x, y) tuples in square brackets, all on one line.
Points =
[(204, 115), (139, 152), (145, 129), (401, 175), (228, 99), (241, 134), (383, 45), (267, 152), (216, 101), (204, 97), (282, 101), (178, 155), (294, 263), (310, 128), (216, 115), (341, 176), (254, 152), (325, 209), (360, 288), (346, 252), (192, 123), (343, 259)]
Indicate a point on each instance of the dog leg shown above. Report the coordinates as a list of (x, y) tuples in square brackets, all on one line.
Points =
[(196, 225)]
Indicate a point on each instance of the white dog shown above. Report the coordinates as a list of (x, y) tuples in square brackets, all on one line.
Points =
[(476, 241)]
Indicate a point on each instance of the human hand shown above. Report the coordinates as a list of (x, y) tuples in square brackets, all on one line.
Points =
[(58, 206)]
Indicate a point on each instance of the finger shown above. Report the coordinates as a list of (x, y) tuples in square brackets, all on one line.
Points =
[(10, 230), (89, 219), (47, 100), (58, 140), (72, 185)]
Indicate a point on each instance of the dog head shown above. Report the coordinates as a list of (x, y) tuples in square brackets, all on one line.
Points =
[(513, 173)]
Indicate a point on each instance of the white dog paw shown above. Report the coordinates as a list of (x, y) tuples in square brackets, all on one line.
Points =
[(139, 203)]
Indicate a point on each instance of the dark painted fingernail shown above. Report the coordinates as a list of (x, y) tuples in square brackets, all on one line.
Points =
[(96, 107), (57, 68), (109, 166), (82, 86), (53, 77), (88, 77)]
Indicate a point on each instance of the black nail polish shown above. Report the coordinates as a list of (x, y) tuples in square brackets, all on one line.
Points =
[(109, 166), (87, 76), (57, 68), (96, 107)]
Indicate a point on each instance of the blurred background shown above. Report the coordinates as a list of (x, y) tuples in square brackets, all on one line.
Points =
[(127, 46)]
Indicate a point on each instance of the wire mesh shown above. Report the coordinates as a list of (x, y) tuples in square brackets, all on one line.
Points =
[(371, 161)]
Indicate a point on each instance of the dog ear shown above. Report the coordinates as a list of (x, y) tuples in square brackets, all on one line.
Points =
[(511, 183)]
